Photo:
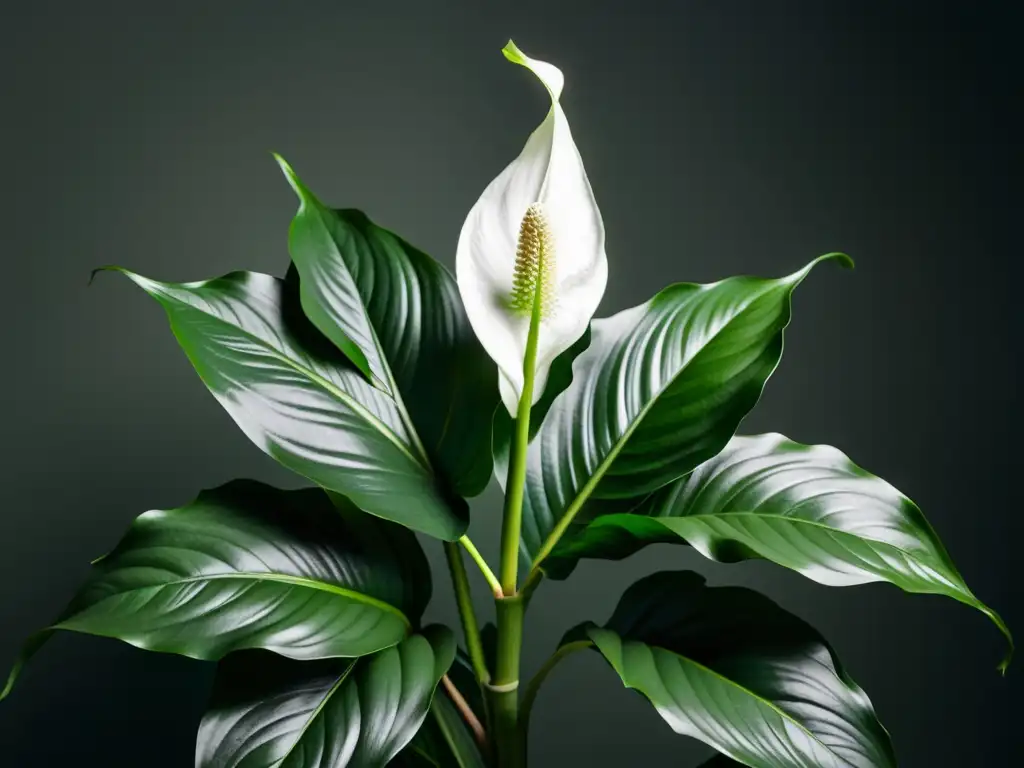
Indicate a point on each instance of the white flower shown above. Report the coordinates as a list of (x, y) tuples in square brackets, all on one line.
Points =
[(535, 234)]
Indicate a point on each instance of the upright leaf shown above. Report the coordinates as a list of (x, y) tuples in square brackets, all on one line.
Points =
[(729, 667), (806, 507), (269, 712), (661, 388), (301, 401), (250, 566), (397, 314)]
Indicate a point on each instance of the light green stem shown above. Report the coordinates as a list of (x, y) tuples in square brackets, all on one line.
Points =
[(512, 521), (485, 569), (464, 601), (533, 687), (503, 691)]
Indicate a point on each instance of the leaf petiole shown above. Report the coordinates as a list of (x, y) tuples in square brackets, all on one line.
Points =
[(481, 563)]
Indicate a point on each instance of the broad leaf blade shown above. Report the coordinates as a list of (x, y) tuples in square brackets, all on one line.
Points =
[(397, 314), (806, 507), (731, 668), (445, 741), (268, 711), (300, 401), (250, 566), (661, 388)]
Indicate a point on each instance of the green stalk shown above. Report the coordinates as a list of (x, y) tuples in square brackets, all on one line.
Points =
[(464, 601), (503, 692), (512, 521), (533, 687), (485, 569)]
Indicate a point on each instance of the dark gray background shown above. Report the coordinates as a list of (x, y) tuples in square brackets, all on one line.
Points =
[(720, 138)]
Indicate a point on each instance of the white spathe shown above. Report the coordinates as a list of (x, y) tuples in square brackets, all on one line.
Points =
[(548, 172)]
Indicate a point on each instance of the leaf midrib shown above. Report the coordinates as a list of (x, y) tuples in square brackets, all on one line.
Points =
[(279, 578), (755, 696), (326, 385), (382, 357), (581, 497), (792, 520), (320, 708)]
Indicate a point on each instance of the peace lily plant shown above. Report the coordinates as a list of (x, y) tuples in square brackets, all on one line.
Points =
[(396, 392)]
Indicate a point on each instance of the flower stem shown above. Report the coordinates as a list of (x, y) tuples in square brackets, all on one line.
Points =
[(464, 601), (512, 520), (503, 692)]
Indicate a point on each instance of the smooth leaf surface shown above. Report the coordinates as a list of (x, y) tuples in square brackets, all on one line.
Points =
[(806, 507), (661, 388), (299, 400), (250, 566), (270, 712), (731, 668), (445, 741), (397, 314)]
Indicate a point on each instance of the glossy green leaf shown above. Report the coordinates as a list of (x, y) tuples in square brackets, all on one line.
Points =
[(270, 712), (299, 400), (731, 668), (806, 507), (397, 314), (661, 388), (445, 741), (250, 566)]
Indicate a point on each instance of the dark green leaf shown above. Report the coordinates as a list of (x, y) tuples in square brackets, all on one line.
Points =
[(301, 401), (398, 315), (250, 566), (719, 761), (728, 666), (807, 507), (445, 741), (268, 711), (661, 388)]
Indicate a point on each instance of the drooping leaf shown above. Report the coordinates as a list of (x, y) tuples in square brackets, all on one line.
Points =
[(250, 566), (299, 400), (806, 507), (270, 712), (397, 314), (731, 668), (661, 388)]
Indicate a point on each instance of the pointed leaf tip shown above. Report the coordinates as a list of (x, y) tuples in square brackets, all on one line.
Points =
[(550, 75), (105, 268), (291, 176), (1004, 665), (844, 260), (512, 53)]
